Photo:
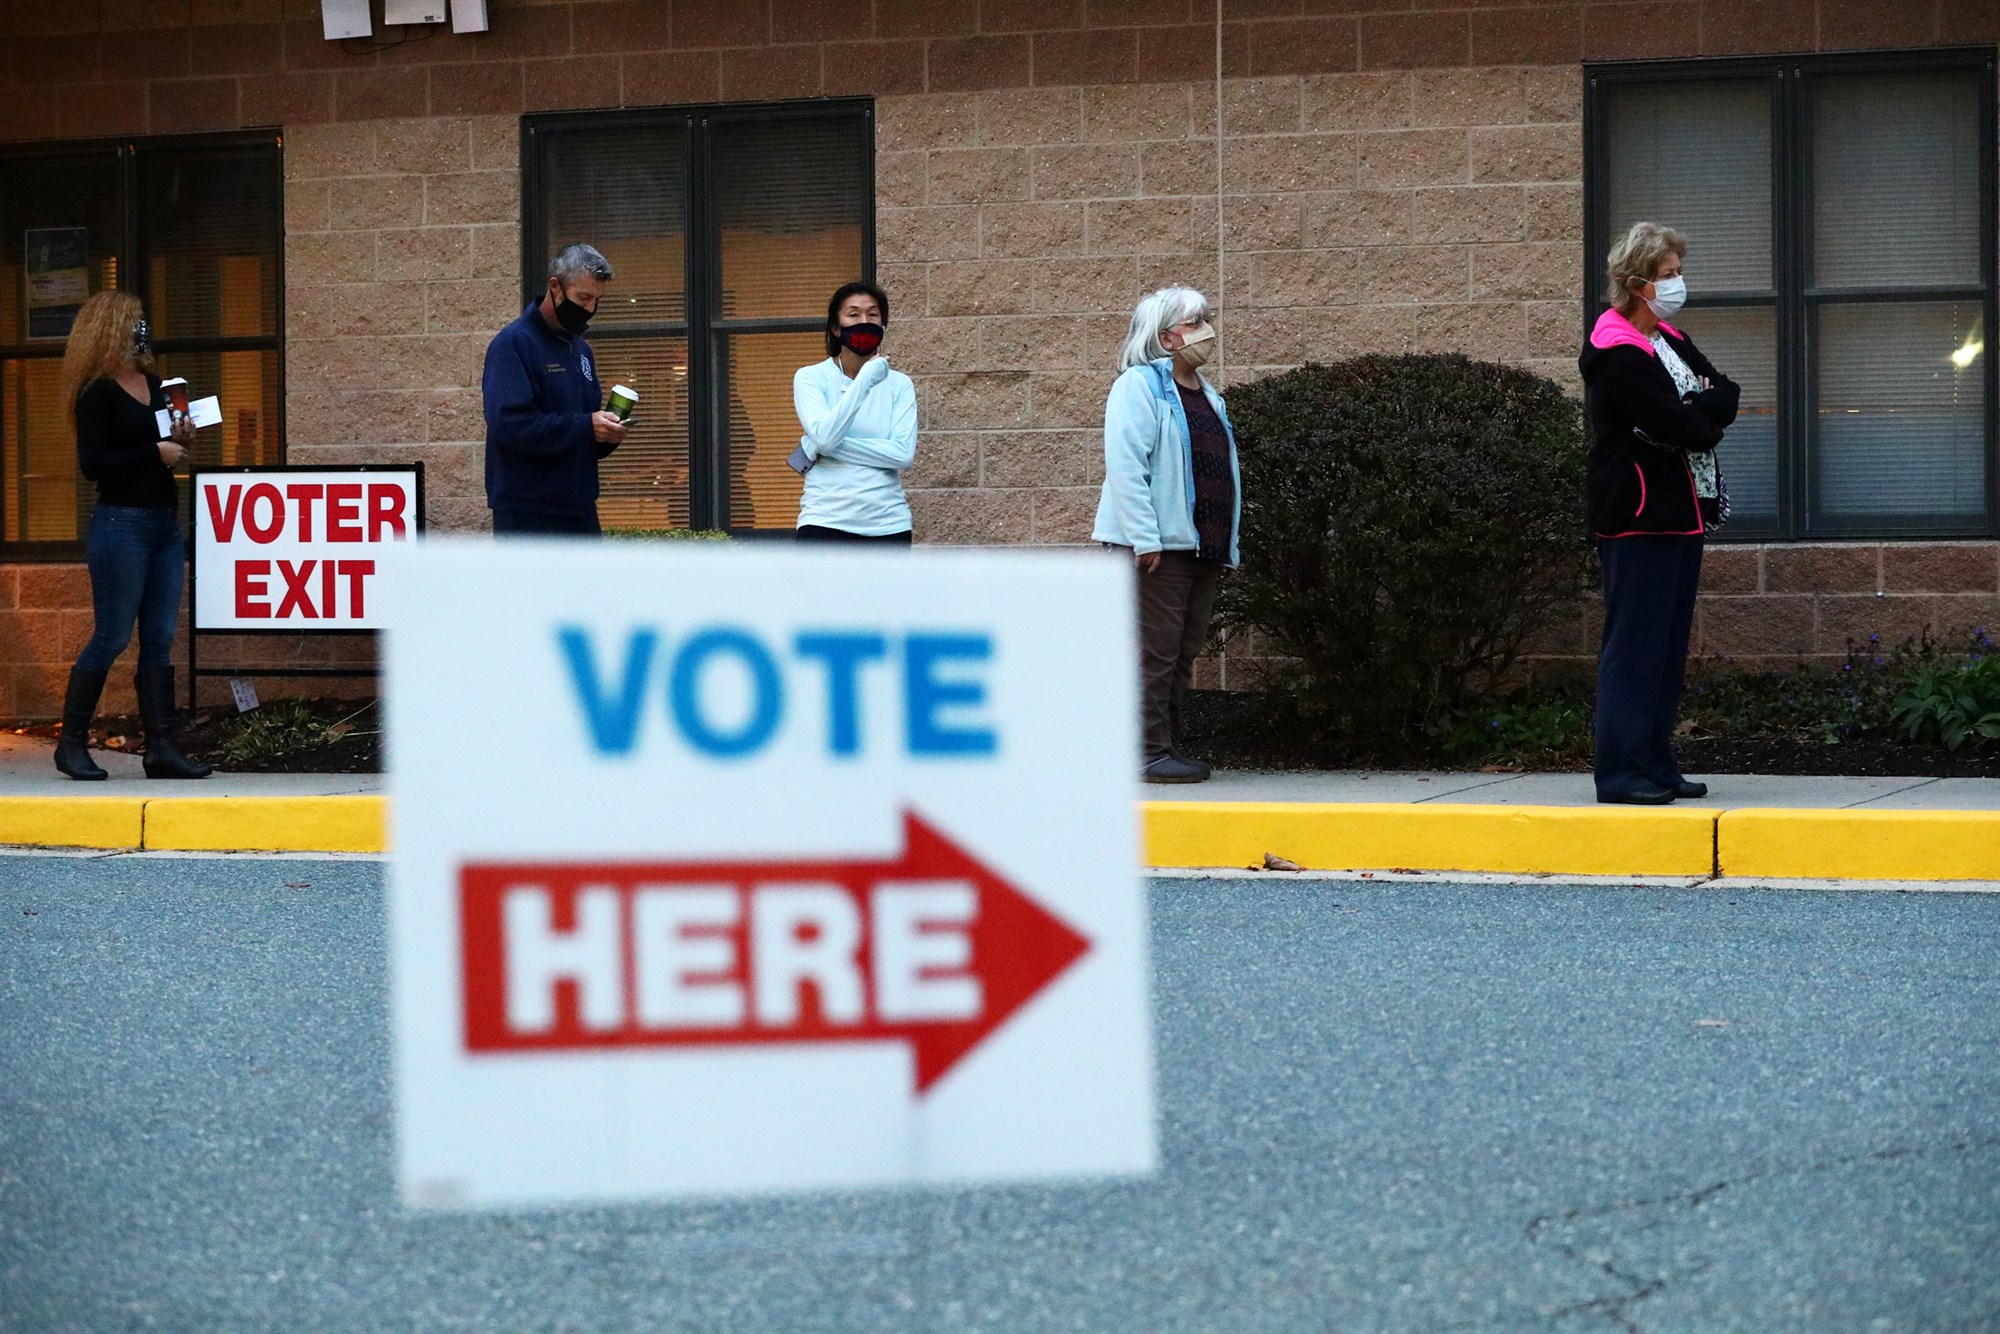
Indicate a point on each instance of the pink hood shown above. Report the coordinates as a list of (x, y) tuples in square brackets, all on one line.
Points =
[(1614, 330)]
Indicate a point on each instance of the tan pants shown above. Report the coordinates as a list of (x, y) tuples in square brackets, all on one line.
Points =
[(1176, 602)]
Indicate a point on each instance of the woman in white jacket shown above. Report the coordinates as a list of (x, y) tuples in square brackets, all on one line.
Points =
[(1172, 498), (860, 421)]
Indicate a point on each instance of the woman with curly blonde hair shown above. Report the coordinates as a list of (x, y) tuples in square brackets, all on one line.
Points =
[(134, 548)]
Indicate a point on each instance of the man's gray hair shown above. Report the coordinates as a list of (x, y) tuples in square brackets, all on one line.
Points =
[(579, 261)]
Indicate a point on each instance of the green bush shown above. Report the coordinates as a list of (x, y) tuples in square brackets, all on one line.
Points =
[(1540, 726), (1407, 522), (669, 534), (278, 728), (1951, 703)]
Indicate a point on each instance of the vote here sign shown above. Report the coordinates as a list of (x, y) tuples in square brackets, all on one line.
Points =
[(298, 549), (748, 868)]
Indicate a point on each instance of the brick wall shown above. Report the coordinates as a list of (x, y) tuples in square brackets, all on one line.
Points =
[(1777, 605), (402, 257), (1392, 176)]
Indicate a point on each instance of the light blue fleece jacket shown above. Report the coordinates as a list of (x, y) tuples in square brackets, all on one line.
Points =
[(1148, 499)]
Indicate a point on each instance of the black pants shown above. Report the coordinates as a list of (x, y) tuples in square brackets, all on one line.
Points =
[(1649, 591), (1176, 602), (812, 532), (528, 523)]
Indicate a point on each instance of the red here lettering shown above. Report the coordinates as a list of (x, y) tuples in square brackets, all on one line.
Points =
[(302, 495), (343, 512), (296, 593), (253, 594), (931, 948), (274, 522), (357, 572), (385, 510), (222, 512)]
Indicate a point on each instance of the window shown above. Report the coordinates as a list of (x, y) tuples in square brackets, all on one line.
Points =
[(728, 228), (195, 226), (1839, 212)]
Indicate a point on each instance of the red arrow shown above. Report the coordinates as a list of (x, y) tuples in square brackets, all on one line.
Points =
[(934, 949)]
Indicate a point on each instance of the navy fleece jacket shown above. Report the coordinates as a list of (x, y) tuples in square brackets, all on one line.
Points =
[(540, 388)]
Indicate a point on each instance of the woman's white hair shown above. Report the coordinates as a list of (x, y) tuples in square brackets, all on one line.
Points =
[(1153, 316)]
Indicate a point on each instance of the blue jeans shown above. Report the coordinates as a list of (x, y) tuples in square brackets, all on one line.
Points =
[(138, 563)]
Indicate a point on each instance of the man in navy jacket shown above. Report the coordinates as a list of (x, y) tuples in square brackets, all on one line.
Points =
[(545, 427)]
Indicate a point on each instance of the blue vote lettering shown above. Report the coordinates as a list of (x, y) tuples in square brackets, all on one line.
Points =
[(767, 693), (943, 684)]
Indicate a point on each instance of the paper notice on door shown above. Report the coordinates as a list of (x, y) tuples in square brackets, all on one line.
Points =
[(203, 411)]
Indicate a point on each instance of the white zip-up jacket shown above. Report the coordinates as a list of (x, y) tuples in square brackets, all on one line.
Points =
[(1148, 499)]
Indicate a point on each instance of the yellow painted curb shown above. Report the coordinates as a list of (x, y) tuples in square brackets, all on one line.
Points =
[(1553, 840), (267, 824), (72, 822), (1860, 845)]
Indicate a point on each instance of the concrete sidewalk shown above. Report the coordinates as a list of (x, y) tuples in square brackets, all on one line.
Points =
[(1512, 824), (27, 769), (1730, 791)]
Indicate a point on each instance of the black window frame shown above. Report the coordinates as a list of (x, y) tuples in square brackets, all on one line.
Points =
[(1794, 304), (700, 325), (132, 259)]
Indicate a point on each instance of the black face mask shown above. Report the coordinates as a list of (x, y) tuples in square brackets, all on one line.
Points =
[(861, 339), (142, 341), (573, 318)]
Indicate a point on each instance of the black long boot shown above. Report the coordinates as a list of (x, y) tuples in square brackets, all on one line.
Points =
[(79, 705), (156, 711)]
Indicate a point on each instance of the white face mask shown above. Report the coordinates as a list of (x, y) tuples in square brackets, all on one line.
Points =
[(1196, 348), (1669, 295)]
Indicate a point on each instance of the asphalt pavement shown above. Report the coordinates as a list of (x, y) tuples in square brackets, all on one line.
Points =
[(1408, 1106)]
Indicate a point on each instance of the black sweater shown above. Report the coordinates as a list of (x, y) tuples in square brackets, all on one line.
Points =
[(1640, 427), (118, 446)]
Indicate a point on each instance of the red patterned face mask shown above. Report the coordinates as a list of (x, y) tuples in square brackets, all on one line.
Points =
[(861, 339)]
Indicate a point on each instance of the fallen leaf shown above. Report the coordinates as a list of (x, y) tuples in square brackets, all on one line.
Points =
[(338, 730), (1685, 728), (1273, 862)]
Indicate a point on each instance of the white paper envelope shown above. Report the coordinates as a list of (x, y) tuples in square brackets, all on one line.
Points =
[(204, 411)]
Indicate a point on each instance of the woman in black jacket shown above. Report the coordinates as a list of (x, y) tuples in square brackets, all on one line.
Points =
[(137, 559), (1657, 411)]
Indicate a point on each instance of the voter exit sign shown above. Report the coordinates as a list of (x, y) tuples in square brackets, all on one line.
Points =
[(750, 868), (297, 550)]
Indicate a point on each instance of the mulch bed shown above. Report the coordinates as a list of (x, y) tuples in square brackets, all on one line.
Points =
[(1239, 730), (1232, 730), (357, 750)]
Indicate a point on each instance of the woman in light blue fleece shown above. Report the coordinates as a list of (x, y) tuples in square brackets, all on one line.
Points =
[(860, 421), (1172, 499)]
